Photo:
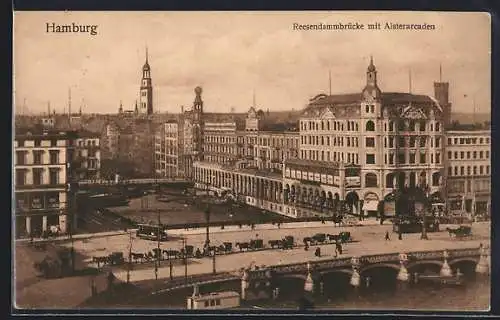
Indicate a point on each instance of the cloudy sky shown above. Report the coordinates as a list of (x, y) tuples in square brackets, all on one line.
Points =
[(234, 53)]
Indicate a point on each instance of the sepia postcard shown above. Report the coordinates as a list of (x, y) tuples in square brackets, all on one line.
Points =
[(252, 161)]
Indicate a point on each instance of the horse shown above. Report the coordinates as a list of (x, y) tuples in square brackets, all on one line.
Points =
[(243, 245), (137, 256)]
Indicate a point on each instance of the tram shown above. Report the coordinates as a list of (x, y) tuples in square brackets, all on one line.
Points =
[(214, 300), (150, 232)]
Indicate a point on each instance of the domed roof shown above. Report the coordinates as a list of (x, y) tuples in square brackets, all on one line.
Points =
[(146, 66)]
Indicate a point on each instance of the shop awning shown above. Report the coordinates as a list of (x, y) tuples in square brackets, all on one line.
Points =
[(370, 205)]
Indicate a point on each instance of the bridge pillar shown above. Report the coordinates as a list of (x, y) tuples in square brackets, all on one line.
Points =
[(355, 278), (445, 269), (483, 266), (244, 284), (403, 272), (309, 284)]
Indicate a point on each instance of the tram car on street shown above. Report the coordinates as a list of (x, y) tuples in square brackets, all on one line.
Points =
[(214, 300), (150, 232), (413, 224)]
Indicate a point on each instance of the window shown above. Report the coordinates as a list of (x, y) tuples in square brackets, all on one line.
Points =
[(423, 157), (370, 142), (37, 157), (481, 170), (449, 171), (389, 180), (449, 154), (54, 176), (54, 156), (422, 142), (438, 142), (401, 158), (487, 154), (412, 125), (481, 154), (474, 154), (456, 154), (391, 126), (438, 158), (370, 158), (21, 157), (462, 170), (422, 125), (468, 154), (449, 141), (412, 142), (438, 125), (468, 170), (401, 125), (412, 158), (370, 126), (462, 154), (474, 170), (401, 141), (37, 176), (367, 109), (391, 158), (391, 142), (38, 142), (371, 180), (53, 143), (456, 171), (20, 177), (20, 143)]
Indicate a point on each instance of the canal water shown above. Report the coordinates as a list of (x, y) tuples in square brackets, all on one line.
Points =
[(473, 296)]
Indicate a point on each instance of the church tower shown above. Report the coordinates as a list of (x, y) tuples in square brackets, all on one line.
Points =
[(198, 125), (146, 92)]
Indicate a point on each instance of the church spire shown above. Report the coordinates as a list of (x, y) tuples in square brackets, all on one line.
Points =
[(147, 56)]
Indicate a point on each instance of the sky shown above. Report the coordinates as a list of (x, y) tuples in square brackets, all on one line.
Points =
[(231, 55)]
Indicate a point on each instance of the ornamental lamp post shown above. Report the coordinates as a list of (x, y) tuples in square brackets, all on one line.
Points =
[(423, 236), (207, 219)]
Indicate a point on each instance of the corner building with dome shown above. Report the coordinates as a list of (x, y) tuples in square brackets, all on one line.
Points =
[(355, 149)]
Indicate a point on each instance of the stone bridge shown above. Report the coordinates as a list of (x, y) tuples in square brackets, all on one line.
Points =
[(261, 283)]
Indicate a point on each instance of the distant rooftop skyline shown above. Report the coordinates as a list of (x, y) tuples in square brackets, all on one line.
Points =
[(233, 54)]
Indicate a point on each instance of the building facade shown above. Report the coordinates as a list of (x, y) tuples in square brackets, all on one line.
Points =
[(87, 156), (468, 171), (167, 147), (43, 182), (358, 148)]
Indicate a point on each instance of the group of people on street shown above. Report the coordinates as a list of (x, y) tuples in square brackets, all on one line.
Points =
[(317, 252)]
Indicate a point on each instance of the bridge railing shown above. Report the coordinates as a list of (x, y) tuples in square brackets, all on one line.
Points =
[(301, 267), (131, 181)]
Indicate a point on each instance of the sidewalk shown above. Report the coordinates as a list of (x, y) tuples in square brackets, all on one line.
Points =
[(268, 226), (244, 228)]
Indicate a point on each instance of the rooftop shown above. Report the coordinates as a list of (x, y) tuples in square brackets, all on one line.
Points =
[(38, 132)]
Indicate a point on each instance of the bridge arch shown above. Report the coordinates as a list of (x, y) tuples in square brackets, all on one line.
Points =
[(292, 276), (329, 272), (380, 265), (466, 259), (414, 264)]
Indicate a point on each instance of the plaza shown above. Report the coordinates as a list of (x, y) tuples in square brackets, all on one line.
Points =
[(367, 240)]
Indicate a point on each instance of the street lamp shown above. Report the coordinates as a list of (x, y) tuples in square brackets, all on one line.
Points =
[(423, 236), (207, 219)]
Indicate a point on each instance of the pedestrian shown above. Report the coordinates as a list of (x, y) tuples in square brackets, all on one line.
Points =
[(279, 225), (400, 236), (387, 235), (317, 253), (338, 248)]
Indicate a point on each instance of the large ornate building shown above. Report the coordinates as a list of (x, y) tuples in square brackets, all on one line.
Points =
[(355, 147)]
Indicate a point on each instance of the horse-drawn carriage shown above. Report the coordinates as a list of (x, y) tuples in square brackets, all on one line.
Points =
[(460, 232)]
